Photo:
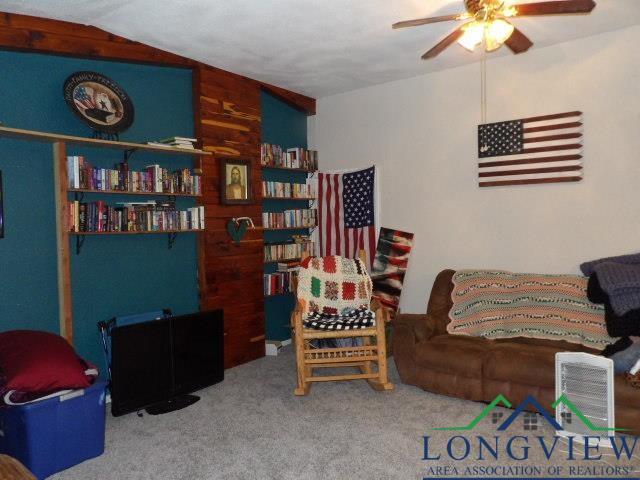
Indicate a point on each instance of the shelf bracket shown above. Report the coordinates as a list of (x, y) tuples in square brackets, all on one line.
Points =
[(128, 153), (172, 239), (78, 198), (79, 243)]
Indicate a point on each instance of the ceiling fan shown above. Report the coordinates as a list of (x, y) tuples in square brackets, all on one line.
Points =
[(489, 23)]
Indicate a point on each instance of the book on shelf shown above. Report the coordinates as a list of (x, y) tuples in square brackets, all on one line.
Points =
[(290, 219), (276, 156), (279, 283), (294, 249), (154, 179), (150, 216), (175, 142), (288, 190), (288, 266), (178, 140)]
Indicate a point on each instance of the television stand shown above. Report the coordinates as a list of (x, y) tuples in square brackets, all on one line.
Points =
[(176, 403)]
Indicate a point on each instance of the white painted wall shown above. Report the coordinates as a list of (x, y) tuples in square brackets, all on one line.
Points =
[(422, 134)]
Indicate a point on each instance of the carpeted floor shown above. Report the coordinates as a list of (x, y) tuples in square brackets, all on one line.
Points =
[(251, 426)]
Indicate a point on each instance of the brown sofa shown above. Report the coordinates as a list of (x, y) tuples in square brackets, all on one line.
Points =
[(478, 369)]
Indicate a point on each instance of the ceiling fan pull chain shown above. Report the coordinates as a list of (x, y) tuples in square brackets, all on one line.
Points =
[(483, 88)]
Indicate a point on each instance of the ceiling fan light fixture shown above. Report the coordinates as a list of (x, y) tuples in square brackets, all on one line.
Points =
[(472, 35), (499, 31)]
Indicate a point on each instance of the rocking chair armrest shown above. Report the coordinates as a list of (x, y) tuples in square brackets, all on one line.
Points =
[(296, 314), (380, 312)]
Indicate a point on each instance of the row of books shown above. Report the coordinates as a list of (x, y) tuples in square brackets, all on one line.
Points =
[(287, 190), (276, 156), (133, 217), (280, 283), (289, 218), (83, 175), (175, 142), (284, 251)]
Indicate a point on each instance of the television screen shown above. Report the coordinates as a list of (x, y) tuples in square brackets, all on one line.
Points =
[(140, 365), (197, 351), (155, 361)]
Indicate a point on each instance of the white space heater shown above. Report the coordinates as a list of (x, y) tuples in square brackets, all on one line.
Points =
[(586, 380)]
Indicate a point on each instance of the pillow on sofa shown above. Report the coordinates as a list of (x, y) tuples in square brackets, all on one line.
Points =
[(501, 304), (35, 362)]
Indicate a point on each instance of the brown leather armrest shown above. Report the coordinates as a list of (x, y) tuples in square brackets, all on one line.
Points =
[(421, 325)]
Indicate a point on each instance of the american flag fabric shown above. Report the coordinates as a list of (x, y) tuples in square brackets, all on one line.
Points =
[(346, 214), (389, 267), (544, 149), (82, 99)]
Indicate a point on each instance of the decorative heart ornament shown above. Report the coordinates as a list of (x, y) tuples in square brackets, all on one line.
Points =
[(237, 229)]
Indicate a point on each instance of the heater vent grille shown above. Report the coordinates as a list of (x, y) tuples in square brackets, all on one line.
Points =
[(587, 382)]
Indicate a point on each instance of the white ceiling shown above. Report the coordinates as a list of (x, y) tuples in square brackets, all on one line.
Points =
[(315, 47)]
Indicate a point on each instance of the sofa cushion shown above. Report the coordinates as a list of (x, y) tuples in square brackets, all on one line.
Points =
[(528, 365), (453, 354)]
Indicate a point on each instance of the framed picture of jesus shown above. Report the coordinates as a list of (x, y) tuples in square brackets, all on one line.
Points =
[(235, 182)]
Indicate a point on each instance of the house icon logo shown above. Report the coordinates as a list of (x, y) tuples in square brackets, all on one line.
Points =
[(530, 419)]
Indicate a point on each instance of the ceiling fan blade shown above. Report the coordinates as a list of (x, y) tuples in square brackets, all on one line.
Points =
[(444, 43), (518, 42), (555, 7), (426, 21)]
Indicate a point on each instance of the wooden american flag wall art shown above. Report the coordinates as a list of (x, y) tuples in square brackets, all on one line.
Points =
[(544, 149)]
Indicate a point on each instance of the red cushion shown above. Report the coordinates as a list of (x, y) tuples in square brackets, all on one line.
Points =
[(33, 361)]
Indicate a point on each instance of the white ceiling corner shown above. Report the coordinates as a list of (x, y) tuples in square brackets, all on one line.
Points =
[(315, 47)]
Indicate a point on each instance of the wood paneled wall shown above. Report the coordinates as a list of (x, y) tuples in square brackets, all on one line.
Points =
[(227, 111), (229, 126)]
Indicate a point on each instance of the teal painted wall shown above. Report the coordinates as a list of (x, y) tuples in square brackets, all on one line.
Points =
[(114, 275), (285, 126)]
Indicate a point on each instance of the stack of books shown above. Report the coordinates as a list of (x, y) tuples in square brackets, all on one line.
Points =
[(275, 156), (133, 217), (280, 283), (175, 142), (83, 175), (289, 219), (288, 251), (287, 190)]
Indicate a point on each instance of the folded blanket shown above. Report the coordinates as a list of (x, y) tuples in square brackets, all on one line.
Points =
[(621, 283), (589, 267), (617, 325), (500, 304)]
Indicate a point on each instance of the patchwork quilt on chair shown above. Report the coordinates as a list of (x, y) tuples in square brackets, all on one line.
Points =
[(336, 291)]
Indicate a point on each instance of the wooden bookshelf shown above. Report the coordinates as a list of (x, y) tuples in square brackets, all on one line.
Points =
[(138, 232), (289, 169), (275, 229), (279, 294), (284, 260), (59, 144), (289, 198), (122, 192), (34, 135)]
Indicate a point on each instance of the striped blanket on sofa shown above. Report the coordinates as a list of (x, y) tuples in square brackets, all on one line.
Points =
[(501, 304)]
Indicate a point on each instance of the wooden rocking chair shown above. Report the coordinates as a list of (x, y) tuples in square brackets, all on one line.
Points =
[(313, 296)]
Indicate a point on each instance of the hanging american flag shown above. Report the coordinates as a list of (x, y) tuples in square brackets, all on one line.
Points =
[(346, 214), (545, 149)]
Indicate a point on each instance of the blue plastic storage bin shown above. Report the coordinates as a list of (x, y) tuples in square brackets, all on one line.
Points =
[(52, 435)]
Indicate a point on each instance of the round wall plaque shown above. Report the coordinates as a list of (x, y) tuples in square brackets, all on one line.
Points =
[(99, 101)]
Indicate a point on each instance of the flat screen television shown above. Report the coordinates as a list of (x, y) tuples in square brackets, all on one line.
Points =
[(156, 364)]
